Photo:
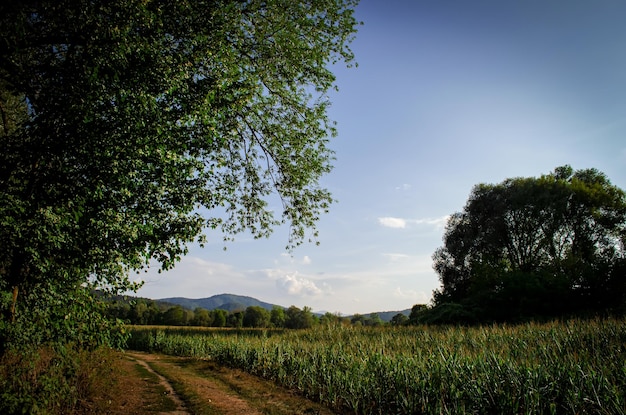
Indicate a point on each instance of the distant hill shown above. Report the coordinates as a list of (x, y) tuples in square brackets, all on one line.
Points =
[(228, 302), (232, 302)]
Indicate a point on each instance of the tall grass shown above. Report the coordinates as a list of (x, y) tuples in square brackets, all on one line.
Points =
[(561, 367)]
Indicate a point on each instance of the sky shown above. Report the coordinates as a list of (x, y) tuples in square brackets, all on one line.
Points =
[(447, 94)]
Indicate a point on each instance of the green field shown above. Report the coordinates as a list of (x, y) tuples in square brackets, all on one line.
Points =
[(577, 366)]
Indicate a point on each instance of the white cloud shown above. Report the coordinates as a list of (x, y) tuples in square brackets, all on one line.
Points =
[(306, 260), (396, 257), (404, 186), (436, 222), (390, 222), (296, 285), (401, 223)]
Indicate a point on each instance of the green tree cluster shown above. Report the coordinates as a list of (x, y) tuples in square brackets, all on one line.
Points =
[(141, 311), (372, 320), (130, 126), (535, 248)]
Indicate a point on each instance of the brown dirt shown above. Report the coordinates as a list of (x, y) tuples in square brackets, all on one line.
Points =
[(193, 386), (208, 391), (130, 390)]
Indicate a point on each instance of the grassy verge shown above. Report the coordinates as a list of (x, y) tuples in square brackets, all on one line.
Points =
[(55, 381)]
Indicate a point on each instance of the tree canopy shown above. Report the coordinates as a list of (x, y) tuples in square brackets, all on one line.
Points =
[(130, 126), (531, 247)]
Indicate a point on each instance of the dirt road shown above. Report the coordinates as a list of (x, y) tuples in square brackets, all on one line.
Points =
[(151, 383)]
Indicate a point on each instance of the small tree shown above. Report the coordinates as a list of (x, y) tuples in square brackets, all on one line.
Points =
[(374, 320), (201, 317), (536, 247), (296, 318), (331, 318), (174, 316), (277, 316), (235, 319), (399, 320), (256, 316), (219, 317)]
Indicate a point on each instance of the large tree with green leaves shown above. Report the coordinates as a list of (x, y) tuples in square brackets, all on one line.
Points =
[(537, 246), (130, 126)]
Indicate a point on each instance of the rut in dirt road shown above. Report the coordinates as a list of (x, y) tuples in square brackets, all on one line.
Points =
[(203, 387), (172, 395)]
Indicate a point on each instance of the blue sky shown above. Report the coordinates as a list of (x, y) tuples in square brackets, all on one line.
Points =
[(447, 94)]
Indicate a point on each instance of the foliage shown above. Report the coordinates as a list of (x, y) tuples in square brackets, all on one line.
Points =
[(53, 381), (201, 317), (256, 316), (333, 318), (149, 312), (61, 315), (372, 320), (296, 318), (399, 320), (219, 318), (235, 319), (136, 124), (558, 367), (536, 247), (277, 316)]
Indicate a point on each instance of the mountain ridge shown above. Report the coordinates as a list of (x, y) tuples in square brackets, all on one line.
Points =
[(228, 302), (234, 302)]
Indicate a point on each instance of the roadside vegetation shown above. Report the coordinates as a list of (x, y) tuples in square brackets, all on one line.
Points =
[(61, 380), (575, 366)]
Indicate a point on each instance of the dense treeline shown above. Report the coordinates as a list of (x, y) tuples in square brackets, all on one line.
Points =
[(149, 312)]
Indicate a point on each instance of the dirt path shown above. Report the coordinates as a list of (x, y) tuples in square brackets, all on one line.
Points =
[(180, 386), (195, 387), (166, 385)]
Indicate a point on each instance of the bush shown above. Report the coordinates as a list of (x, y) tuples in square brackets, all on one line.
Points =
[(447, 313), (54, 380)]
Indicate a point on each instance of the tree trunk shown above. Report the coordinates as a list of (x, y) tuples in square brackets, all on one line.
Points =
[(14, 303)]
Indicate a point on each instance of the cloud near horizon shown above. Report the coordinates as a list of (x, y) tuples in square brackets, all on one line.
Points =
[(293, 284)]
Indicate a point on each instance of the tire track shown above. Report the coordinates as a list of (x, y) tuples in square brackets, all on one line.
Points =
[(180, 405), (209, 395)]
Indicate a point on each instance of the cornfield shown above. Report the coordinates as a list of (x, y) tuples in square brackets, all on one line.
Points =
[(573, 367)]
